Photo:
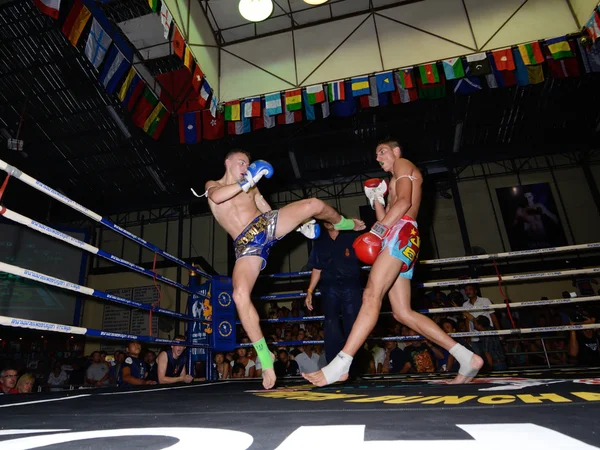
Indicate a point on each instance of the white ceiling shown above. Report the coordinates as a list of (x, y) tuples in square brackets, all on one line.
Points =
[(225, 18)]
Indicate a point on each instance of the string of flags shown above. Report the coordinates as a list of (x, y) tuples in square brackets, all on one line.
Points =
[(200, 116), (151, 106)]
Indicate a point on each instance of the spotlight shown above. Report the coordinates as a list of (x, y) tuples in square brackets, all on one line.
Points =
[(315, 2), (256, 10)]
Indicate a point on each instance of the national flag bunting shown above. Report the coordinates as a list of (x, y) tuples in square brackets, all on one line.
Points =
[(144, 108), (405, 78), (131, 89), (214, 104), (166, 19), (178, 43), (76, 21), (188, 58), (590, 56), (431, 91), (384, 82), (593, 26), (335, 91), (273, 104), (559, 48), (153, 5), (289, 117), (197, 78), (190, 126), (252, 107), (49, 7), (97, 44), (156, 121), (265, 121), (429, 73), (347, 107), (315, 94), (293, 100), (563, 67), (204, 94), (521, 73), (503, 59), (232, 111), (360, 86), (453, 68), (468, 84), (479, 64), (316, 111), (403, 95), (242, 126), (531, 53), (212, 127), (113, 70)]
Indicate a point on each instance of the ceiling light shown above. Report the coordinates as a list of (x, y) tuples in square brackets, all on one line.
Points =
[(255, 10), (315, 2)]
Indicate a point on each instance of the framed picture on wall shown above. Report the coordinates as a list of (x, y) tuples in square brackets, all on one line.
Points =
[(531, 217)]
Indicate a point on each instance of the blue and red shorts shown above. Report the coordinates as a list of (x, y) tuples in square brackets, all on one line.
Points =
[(403, 242)]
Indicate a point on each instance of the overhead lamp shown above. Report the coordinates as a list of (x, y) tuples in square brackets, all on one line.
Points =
[(256, 10), (315, 2)]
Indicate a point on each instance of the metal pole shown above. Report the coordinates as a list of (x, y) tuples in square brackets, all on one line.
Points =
[(460, 214), (180, 256), (546, 354)]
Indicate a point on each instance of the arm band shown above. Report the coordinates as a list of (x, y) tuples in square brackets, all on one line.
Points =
[(262, 350), (344, 224)]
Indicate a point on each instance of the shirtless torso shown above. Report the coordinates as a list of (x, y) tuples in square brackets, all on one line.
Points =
[(403, 168)]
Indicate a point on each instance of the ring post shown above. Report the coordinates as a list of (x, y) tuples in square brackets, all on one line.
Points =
[(223, 316), (199, 307)]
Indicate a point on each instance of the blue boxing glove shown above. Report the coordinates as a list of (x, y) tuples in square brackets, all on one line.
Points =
[(255, 172)]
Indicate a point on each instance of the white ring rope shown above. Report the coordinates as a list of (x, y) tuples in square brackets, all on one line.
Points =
[(540, 251)]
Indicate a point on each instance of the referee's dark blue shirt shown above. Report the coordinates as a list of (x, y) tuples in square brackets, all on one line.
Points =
[(336, 259)]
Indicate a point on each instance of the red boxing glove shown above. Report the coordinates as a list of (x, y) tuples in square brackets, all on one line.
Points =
[(368, 245)]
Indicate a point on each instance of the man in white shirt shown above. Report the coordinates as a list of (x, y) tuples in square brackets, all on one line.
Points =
[(308, 362), (475, 302)]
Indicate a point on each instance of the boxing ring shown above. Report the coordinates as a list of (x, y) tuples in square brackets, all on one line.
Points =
[(545, 409)]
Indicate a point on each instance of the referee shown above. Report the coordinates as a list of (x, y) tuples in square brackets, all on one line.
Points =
[(336, 270)]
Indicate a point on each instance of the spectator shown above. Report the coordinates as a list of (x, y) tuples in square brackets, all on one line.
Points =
[(420, 355), (58, 378), (284, 366), (493, 353), (25, 383), (98, 373), (474, 302), (8, 381), (584, 345), (308, 361), (150, 359), (115, 371), (395, 360), (135, 372), (336, 270), (243, 360), (171, 364), (222, 366), (238, 371)]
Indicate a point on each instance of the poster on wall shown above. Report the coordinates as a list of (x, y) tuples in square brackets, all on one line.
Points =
[(531, 217)]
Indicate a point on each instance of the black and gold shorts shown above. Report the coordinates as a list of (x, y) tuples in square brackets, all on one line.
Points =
[(258, 237)]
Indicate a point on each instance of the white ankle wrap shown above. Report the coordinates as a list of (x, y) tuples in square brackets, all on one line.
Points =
[(463, 356), (338, 367)]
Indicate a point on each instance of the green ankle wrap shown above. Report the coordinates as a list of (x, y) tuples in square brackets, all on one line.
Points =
[(262, 350), (344, 224)]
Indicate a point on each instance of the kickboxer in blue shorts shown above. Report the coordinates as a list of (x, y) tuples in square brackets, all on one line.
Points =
[(392, 247), (241, 210)]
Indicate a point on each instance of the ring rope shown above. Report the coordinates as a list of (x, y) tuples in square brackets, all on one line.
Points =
[(58, 328), (52, 281), (456, 259), (48, 231), (533, 303), (516, 331), (11, 170)]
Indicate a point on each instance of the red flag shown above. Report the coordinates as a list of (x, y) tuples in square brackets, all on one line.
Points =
[(197, 78), (178, 43), (212, 127), (75, 22), (48, 7), (504, 59), (289, 117), (176, 89), (144, 108)]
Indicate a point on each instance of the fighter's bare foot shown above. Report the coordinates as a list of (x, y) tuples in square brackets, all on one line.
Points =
[(359, 225), (269, 378), (475, 364), (318, 378)]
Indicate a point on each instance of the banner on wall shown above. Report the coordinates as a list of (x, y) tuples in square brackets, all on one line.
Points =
[(202, 309), (122, 319), (531, 217)]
